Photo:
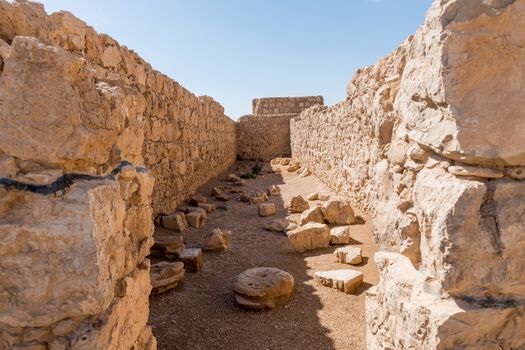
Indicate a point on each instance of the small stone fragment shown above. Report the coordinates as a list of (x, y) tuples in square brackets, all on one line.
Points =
[(208, 207), (293, 167), (275, 161), (310, 236), (197, 199), (349, 255), (298, 204), (196, 219), (216, 191), (259, 198), (313, 196), (267, 209), (263, 288), (175, 222), (338, 212), (475, 171), (344, 280), (192, 259), (304, 172), (273, 191), (233, 178), (218, 240), (340, 235), (278, 225), (285, 161), (165, 276), (314, 214), (222, 197), (278, 171)]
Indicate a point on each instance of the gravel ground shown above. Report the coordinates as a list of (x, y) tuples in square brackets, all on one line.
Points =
[(202, 314)]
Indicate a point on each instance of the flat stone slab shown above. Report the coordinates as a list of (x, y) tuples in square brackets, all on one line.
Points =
[(349, 255), (167, 244), (175, 222), (344, 280), (165, 276), (263, 288)]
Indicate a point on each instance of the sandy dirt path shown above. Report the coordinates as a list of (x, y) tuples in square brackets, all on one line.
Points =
[(202, 313)]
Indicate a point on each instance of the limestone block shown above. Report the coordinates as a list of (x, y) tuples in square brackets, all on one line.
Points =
[(313, 196), (344, 280), (475, 171), (310, 236), (196, 219), (58, 253), (263, 287), (349, 255), (273, 191), (192, 259), (278, 225), (208, 207), (338, 212), (168, 244), (218, 240), (314, 214), (267, 209), (340, 235), (198, 199), (298, 204), (175, 222), (165, 276)]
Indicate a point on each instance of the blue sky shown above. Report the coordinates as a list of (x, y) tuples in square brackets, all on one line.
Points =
[(237, 50)]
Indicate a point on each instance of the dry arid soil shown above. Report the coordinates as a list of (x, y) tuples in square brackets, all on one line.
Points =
[(202, 313)]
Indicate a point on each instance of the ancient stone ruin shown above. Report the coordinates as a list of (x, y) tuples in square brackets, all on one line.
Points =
[(98, 152)]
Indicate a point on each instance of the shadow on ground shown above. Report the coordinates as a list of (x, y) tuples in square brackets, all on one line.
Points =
[(202, 313)]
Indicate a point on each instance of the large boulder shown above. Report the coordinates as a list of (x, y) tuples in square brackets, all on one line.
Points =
[(263, 287), (314, 214), (310, 236)]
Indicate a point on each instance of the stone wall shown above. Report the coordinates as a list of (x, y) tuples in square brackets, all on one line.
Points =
[(187, 139), (428, 142), (83, 119), (265, 134)]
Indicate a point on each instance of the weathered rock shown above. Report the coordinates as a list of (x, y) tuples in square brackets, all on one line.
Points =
[(267, 209), (196, 219), (273, 191), (298, 204), (275, 161), (167, 244), (216, 191), (349, 255), (222, 197), (218, 240), (175, 222), (285, 161), (304, 172), (278, 225), (344, 280), (475, 171), (165, 276), (263, 288), (314, 214), (233, 178), (340, 235), (278, 171), (517, 173), (310, 236), (198, 199), (208, 207), (338, 212), (258, 198), (192, 259), (293, 167), (313, 196)]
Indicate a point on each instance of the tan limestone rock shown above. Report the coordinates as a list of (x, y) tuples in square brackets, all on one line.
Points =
[(165, 276), (263, 288), (340, 235), (314, 214), (192, 259), (278, 225), (313, 196), (310, 236), (273, 191), (208, 207), (267, 209), (196, 219), (338, 212), (167, 243), (298, 204), (349, 255), (475, 171), (344, 280), (175, 222), (218, 240)]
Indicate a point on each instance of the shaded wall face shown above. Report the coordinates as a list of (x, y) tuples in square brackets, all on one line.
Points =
[(90, 135), (265, 134), (413, 144)]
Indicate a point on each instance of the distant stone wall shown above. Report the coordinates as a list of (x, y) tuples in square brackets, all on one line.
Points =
[(83, 119), (427, 142), (266, 133), (284, 105)]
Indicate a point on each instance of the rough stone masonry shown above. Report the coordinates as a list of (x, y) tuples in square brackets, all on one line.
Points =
[(430, 140), (265, 134)]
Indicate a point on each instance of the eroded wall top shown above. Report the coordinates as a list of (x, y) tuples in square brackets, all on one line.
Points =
[(284, 105)]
